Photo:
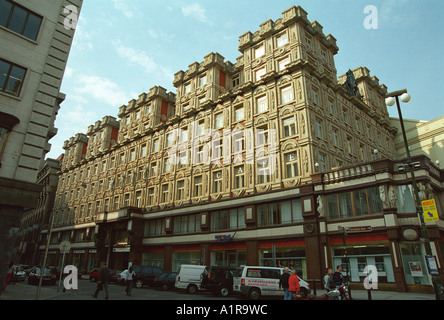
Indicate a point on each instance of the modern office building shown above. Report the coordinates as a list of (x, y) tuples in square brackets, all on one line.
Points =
[(257, 162), (35, 41)]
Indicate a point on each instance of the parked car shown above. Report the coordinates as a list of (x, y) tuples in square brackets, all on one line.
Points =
[(189, 278), (20, 274), (94, 274), (121, 278), (257, 281), (165, 281), (49, 276), (218, 280), (114, 275), (144, 275)]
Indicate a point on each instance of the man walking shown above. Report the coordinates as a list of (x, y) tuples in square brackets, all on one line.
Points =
[(283, 282), (103, 281)]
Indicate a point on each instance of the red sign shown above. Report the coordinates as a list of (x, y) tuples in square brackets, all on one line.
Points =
[(360, 229)]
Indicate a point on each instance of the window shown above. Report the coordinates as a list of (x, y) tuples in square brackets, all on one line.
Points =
[(286, 95), (236, 81), (170, 139), (262, 135), (132, 155), (139, 199), (180, 190), (198, 186), (11, 78), (217, 182), (187, 224), (289, 127), (184, 134), (262, 104), (282, 40), (201, 128), (238, 142), (263, 171), (259, 52), (153, 169), (143, 149), (355, 203), (164, 193), (268, 215), (315, 96), (282, 64), (330, 106), (187, 88), (156, 145), (239, 113), (203, 80), (322, 162), (291, 165), (239, 177), (167, 165), (151, 196), (228, 219), (318, 128), (219, 120), (19, 19), (334, 136), (260, 73)]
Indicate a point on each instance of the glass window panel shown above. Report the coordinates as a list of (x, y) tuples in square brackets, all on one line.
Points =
[(332, 206), (286, 212), (5, 9), (15, 81), (297, 210), (374, 200), (32, 27), (18, 20), (360, 198), (4, 70), (345, 204)]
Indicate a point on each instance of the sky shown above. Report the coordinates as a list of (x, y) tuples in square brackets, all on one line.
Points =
[(123, 48)]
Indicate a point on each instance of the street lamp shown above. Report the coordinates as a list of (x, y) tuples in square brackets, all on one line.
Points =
[(391, 99)]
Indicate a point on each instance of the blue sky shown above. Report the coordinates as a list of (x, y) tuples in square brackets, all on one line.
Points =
[(123, 48)]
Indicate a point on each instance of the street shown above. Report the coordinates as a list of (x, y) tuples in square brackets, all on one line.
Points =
[(24, 291)]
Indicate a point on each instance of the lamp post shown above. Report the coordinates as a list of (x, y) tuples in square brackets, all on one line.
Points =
[(391, 99)]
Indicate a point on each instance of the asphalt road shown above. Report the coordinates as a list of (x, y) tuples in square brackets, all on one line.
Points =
[(24, 291)]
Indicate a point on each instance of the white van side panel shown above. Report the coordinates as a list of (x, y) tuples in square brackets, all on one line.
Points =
[(189, 274)]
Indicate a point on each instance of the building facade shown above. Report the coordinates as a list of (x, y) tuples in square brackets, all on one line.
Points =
[(255, 162), (35, 44)]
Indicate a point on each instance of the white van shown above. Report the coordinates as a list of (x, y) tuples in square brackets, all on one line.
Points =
[(189, 277), (254, 282)]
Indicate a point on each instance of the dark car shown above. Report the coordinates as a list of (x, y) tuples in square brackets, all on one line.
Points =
[(165, 281), (114, 275), (49, 276), (218, 279), (144, 275)]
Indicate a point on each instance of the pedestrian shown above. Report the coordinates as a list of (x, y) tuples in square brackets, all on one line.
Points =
[(338, 279), (129, 281), (103, 281), (283, 282), (328, 280), (293, 285)]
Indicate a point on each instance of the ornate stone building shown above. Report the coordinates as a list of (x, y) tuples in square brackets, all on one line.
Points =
[(255, 162)]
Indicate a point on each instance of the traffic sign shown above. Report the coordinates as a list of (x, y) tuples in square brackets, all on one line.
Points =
[(65, 246), (429, 210)]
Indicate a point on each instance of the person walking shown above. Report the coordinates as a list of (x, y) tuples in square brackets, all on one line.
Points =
[(328, 280), (283, 282), (129, 281), (103, 281), (293, 284)]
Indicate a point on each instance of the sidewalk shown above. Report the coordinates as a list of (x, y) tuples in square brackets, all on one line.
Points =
[(390, 295)]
